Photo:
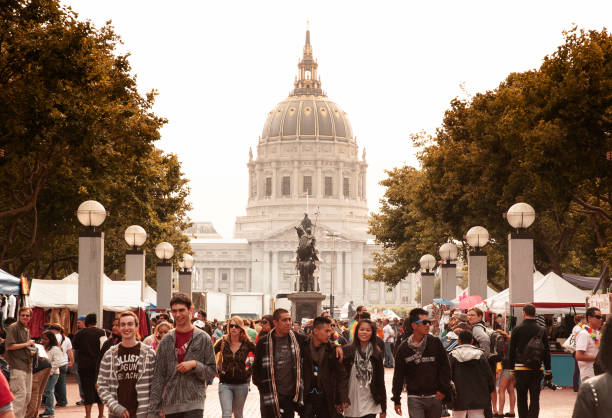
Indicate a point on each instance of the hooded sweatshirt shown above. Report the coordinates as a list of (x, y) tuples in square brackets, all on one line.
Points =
[(472, 376), (182, 392)]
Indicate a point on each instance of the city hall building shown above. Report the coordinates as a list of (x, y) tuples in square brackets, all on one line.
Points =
[(307, 161)]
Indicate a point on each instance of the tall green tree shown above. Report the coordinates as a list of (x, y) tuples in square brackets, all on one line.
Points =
[(541, 137), (74, 127)]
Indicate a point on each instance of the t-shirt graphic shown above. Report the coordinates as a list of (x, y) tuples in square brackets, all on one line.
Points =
[(181, 344), (127, 376)]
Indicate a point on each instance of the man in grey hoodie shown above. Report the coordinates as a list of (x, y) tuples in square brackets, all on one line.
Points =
[(185, 362)]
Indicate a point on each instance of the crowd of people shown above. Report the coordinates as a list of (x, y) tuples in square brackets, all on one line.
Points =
[(321, 369)]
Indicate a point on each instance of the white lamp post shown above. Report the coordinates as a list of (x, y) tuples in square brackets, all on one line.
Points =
[(427, 262), (477, 237), (135, 236), (185, 284), (448, 281), (164, 251), (520, 254), (91, 214)]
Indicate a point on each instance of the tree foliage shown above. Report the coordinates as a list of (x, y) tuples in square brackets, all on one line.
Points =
[(73, 127), (541, 137)]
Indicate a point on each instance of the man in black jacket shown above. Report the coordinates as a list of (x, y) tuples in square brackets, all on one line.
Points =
[(528, 378), (472, 376), (325, 379), (421, 365)]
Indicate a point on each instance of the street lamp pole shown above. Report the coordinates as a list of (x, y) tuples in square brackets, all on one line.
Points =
[(164, 251), (91, 214), (520, 254), (135, 236)]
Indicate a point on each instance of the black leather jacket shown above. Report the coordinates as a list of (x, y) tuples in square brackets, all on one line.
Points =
[(594, 400)]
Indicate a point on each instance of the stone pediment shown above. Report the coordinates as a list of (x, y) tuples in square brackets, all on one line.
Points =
[(288, 233)]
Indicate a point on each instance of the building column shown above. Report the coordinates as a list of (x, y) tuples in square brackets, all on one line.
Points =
[(340, 192), (295, 192), (260, 183), (348, 285), (275, 283), (355, 193), (231, 279), (266, 272), (363, 184), (339, 276), (216, 277), (318, 186), (356, 269), (275, 193)]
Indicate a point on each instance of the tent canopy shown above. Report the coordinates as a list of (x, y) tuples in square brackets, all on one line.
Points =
[(9, 284), (118, 295), (551, 293)]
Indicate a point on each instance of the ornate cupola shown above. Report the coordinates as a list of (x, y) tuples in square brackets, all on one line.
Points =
[(308, 82)]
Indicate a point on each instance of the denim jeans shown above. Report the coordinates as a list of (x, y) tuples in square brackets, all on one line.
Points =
[(388, 354), (424, 407), (49, 395), (232, 398), (60, 387)]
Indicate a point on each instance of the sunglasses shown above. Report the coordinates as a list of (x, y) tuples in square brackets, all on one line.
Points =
[(264, 322), (234, 326), (423, 321), (597, 316)]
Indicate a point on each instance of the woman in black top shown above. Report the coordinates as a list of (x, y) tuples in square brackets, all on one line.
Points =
[(235, 355), (363, 361)]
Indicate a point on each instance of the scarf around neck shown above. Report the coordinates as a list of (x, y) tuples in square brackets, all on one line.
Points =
[(419, 348), (363, 365)]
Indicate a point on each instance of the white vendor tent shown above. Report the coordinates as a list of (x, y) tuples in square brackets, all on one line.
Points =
[(462, 293), (551, 293), (118, 295)]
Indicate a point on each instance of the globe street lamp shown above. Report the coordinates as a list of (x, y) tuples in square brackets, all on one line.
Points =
[(135, 236), (477, 237), (520, 216), (448, 281), (185, 283), (427, 262), (91, 214), (164, 251)]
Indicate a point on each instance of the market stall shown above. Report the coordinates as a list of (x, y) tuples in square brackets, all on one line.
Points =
[(57, 300)]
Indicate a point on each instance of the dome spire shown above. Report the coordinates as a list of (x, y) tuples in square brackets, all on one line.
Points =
[(307, 82)]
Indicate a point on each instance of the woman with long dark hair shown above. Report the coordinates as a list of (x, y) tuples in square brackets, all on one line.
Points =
[(56, 358), (235, 356), (363, 361)]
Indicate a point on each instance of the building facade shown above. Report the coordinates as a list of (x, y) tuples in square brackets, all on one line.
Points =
[(307, 162)]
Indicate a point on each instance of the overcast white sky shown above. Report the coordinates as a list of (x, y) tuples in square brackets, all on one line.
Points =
[(393, 66)]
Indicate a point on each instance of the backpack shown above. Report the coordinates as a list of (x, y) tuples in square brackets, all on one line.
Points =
[(533, 354), (497, 343)]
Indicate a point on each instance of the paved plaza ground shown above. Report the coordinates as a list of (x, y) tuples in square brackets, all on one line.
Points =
[(554, 404)]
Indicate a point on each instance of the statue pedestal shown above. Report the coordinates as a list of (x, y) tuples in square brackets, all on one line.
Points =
[(305, 305)]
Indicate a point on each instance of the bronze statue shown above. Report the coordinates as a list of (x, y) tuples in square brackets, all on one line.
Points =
[(306, 255)]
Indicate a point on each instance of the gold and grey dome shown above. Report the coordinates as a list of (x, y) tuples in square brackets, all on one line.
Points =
[(307, 114)]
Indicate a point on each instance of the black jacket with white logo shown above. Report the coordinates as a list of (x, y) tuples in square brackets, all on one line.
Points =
[(423, 375)]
